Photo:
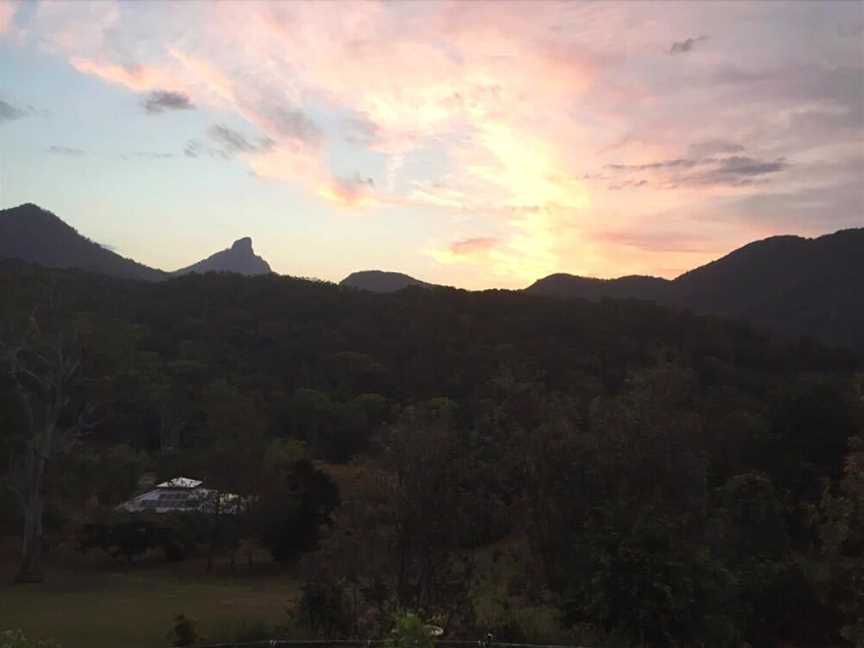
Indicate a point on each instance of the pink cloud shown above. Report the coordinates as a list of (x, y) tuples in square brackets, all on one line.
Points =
[(473, 246), (139, 78), (659, 241), (526, 106), (349, 192), (7, 12)]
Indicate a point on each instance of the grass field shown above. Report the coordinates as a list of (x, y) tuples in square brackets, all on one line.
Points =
[(103, 604)]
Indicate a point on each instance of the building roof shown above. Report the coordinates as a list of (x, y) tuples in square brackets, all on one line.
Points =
[(180, 482), (183, 494)]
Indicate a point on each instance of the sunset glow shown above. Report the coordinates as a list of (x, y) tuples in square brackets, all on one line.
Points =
[(468, 143)]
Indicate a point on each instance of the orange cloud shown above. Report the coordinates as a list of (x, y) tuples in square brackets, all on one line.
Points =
[(206, 76), (505, 110), (469, 250), (349, 192), (471, 246), (487, 88), (139, 78)]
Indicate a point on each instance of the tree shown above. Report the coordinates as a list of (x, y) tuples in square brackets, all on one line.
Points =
[(44, 368), (840, 526), (640, 583), (290, 510), (396, 542)]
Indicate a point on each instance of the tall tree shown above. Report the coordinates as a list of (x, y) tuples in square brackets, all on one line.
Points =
[(43, 368)]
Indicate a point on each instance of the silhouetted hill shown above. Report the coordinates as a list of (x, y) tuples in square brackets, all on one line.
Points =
[(572, 286), (33, 234), (790, 284), (239, 258), (380, 281)]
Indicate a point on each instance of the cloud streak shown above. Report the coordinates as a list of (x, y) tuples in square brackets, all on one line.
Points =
[(66, 150), (8, 112), (349, 192), (687, 45), (160, 101), (473, 245), (152, 155), (736, 170), (231, 142), (139, 78)]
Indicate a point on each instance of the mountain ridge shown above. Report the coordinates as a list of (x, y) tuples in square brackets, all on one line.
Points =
[(33, 234), (788, 284), (239, 258), (30, 233), (382, 281)]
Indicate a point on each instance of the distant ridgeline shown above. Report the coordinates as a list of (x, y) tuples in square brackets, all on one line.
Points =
[(33, 234), (786, 284), (380, 281)]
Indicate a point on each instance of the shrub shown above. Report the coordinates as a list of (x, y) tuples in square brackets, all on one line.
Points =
[(17, 639), (184, 632), (323, 608), (410, 631), (257, 630)]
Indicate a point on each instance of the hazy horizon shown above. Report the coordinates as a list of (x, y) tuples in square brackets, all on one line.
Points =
[(471, 144)]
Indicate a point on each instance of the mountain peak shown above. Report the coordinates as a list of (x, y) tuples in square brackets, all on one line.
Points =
[(239, 258), (381, 281), (28, 206), (31, 233), (243, 245), (31, 211)]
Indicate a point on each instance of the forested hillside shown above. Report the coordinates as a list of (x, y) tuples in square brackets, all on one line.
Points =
[(539, 468), (30, 233), (378, 281), (787, 284)]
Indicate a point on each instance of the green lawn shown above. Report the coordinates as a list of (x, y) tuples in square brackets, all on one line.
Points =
[(110, 606)]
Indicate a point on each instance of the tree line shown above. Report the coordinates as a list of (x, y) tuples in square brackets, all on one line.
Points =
[(610, 472)]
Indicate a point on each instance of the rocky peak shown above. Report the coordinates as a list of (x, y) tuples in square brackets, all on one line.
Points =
[(243, 245), (239, 258)]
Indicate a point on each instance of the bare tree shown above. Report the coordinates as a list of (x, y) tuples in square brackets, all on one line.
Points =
[(44, 370)]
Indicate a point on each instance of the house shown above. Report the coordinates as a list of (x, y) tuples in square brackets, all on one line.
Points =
[(183, 495)]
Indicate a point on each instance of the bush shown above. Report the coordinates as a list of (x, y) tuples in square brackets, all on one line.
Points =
[(244, 631), (248, 631), (323, 608), (184, 633), (17, 639), (410, 631)]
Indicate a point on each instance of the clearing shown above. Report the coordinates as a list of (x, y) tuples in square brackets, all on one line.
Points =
[(105, 604)]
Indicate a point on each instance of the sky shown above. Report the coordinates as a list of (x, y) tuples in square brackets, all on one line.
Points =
[(469, 143)]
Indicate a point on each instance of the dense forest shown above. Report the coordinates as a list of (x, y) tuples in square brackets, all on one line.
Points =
[(612, 472)]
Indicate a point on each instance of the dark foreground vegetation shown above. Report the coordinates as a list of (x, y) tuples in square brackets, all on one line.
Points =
[(610, 472)]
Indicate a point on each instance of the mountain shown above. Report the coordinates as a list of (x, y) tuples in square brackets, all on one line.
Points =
[(35, 235), (790, 284), (239, 258), (32, 234), (630, 287), (380, 281)]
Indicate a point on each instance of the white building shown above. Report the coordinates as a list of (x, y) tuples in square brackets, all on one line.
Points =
[(183, 495)]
